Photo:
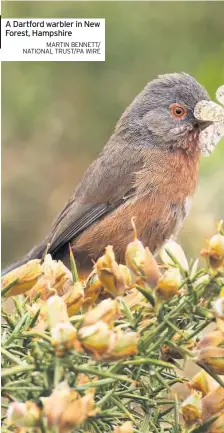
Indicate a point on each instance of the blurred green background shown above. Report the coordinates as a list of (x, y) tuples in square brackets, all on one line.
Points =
[(56, 117)]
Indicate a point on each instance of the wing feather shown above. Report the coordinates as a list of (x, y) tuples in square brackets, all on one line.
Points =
[(100, 192), (94, 214), (74, 229)]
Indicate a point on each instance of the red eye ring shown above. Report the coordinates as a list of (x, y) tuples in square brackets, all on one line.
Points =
[(178, 111)]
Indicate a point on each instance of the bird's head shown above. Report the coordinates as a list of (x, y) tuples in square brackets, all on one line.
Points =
[(163, 113)]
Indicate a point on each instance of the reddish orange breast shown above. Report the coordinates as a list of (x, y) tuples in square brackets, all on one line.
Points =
[(162, 187)]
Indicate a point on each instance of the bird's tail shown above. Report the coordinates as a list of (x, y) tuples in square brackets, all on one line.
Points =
[(36, 253)]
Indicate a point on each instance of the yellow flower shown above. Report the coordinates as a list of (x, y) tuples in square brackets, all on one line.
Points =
[(107, 311), (110, 274), (168, 284), (95, 338), (92, 289), (82, 379), (63, 334), (141, 262), (57, 311), (42, 321), (106, 344), (135, 257), (218, 307), (64, 338), (27, 275), (214, 338), (202, 382), (125, 274), (123, 345), (79, 410), (213, 403), (66, 409), (212, 357), (215, 251), (74, 298), (55, 404), (55, 275), (216, 246), (135, 299), (127, 427), (23, 414), (177, 252), (191, 408)]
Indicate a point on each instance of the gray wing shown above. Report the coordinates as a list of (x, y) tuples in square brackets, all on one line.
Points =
[(107, 184), (73, 226)]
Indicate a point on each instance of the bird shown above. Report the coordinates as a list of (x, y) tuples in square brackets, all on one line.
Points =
[(148, 169)]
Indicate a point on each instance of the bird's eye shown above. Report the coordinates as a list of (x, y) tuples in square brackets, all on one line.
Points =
[(178, 111)]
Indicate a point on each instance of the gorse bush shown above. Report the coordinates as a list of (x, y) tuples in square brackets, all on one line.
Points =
[(103, 354)]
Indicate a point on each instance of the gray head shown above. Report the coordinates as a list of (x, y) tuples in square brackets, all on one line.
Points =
[(163, 113)]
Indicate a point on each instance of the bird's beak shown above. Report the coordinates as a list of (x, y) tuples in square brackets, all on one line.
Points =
[(203, 124)]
